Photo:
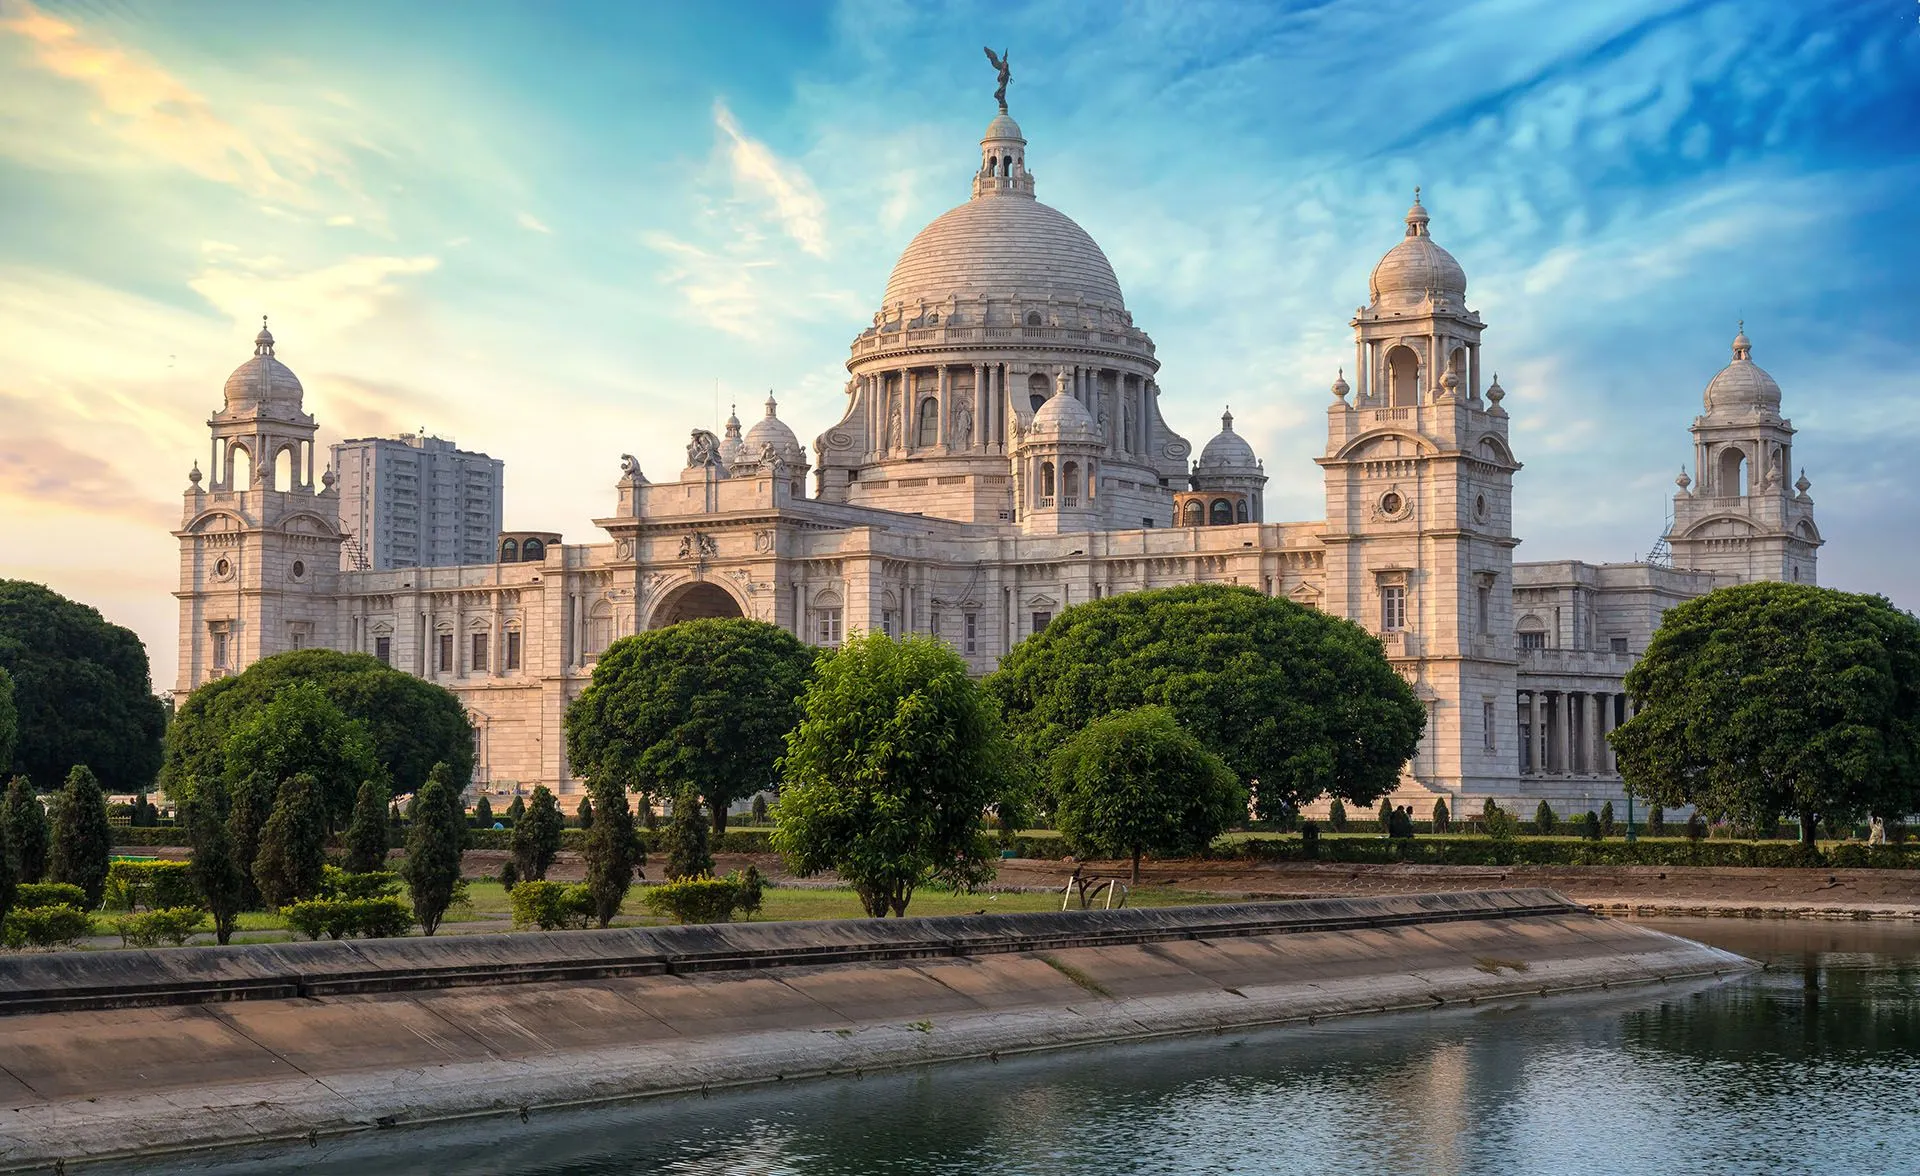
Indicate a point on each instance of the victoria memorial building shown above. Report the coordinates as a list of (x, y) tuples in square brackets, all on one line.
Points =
[(1003, 455)]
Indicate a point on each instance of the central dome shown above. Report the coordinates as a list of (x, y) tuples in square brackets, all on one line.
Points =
[(1003, 245)]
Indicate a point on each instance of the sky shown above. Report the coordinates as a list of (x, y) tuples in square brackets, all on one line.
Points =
[(558, 233)]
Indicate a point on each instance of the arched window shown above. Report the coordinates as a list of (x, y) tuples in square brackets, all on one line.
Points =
[(284, 472), (993, 165), (1530, 633), (1070, 484), (1220, 513), (929, 422), (1192, 514), (1033, 320), (1733, 472), (239, 466), (1240, 510), (1006, 166), (599, 628), (1403, 377), (1046, 483), (1036, 383), (510, 551), (532, 550)]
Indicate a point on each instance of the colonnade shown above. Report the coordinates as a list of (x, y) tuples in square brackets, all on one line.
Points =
[(1564, 732), (974, 403)]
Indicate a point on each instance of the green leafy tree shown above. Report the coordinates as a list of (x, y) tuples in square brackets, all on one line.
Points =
[(611, 851), (483, 813), (1135, 782), (583, 816), (1337, 815), (758, 812), (9, 880), (536, 836), (1385, 816), (293, 844), (703, 702), (24, 823), (1770, 700), (222, 884), (9, 720), (517, 811), (411, 724), (1590, 826), (434, 841), (1657, 822), (687, 853), (1544, 819), (1298, 699), (890, 770), (82, 842), (82, 691), (367, 832), (1606, 819), (247, 804), (302, 731)]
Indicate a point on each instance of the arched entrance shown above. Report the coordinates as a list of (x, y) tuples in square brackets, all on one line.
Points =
[(694, 602)]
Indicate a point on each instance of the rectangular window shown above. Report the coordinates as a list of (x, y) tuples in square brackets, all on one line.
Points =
[(1484, 607), (513, 649), (829, 626), (1486, 726), (1393, 608), (973, 632), (220, 649), (888, 619), (1041, 620), (1533, 640), (383, 649), (445, 644), (480, 652), (1618, 644), (933, 622)]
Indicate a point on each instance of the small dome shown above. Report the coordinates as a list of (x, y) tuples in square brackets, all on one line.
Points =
[(1416, 265), (1063, 418), (263, 380), (771, 430), (731, 444), (1003, 127), (1228, 450), (1743, 385)]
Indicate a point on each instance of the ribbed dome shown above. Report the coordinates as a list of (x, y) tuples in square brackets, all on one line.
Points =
[(1416, 265), (1228, 450), (263, 380), (1743, 385), (1003, 127), (731, 444), (1001, 245), (1062, 418), (771, 430)]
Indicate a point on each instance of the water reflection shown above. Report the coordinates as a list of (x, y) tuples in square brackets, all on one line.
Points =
[(1807, 1067)]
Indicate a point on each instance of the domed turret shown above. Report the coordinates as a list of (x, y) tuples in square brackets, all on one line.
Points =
[(1064, 418), (1416, 266), (1228, 452), (1743, 386), (731, 445), (770, 430), (264, 381)]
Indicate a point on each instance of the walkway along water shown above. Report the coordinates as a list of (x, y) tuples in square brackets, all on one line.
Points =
[(148, 1052)]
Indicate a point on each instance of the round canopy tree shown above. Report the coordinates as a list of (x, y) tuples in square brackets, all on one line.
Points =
[(81, 691), (1135, 782), (1771, 700), (703, 703), (1303, 702), (412, 723), (889, 772)]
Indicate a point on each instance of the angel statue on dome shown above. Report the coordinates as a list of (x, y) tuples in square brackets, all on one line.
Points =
[(1006, 75)]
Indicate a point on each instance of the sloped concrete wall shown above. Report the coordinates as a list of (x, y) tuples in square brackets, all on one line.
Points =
[(466, 1026)]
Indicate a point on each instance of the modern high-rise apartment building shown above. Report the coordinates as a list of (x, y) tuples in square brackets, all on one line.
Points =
[(416, 501)]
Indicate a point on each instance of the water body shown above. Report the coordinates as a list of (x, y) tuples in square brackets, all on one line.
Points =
[(1810, 1066)]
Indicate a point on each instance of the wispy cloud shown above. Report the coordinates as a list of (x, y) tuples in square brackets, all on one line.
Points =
[(532, 223), (764, 176), (327, 299)]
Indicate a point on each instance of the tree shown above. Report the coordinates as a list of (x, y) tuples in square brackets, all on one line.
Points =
[(434, 842), (411, 724), (9, 720), (24, 822), (1385, 815), (1298, 699), (483, 813), (82, 692), (1606, 819), (299, 732), (82, 844), (703, 702), (223, 885), (1337, 815), (536, 836), (584, 814), (1136, 782), (1770, 700), (293, 849), (517, 811), (1543, 819), (8, 879), (611, 851), (888, 773), (687, 854), (367, 831)]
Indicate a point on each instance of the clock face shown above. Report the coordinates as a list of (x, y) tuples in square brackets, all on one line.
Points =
[(1390, 503)]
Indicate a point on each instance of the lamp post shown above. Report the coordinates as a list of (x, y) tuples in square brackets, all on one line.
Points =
[(1631, 836)]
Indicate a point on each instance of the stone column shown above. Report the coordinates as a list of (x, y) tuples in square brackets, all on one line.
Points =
[(978, 438), (907, 395), (1608, 765), (496, 640), (1563, 708), (945, 402), (1599, 765)]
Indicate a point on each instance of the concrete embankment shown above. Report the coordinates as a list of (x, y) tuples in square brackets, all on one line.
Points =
[(114, 1054)]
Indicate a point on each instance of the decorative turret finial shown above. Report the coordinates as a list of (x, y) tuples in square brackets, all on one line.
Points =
[(1417, 218), (263, 342), (1340, 386), (771, 403), (1803, 485), (327, 479), (193, 475), (1226, 421), (999, 61), (1495, 392), (1683, 481), (1742, 347)]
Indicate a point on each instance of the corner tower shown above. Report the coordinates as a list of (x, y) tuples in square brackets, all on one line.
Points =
[(1738, 516), (1419, 533), (259, 544)]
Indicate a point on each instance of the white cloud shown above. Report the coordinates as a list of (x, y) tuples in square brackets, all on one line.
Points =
[(327, 299), (797, 207), (532, 223)]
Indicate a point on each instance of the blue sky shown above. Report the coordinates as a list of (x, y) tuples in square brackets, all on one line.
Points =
[(551, 231)]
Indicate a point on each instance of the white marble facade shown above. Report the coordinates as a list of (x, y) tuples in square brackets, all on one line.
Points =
[(1003, 456)]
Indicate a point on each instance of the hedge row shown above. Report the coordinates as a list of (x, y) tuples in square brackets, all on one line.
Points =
[(1526, 851)]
